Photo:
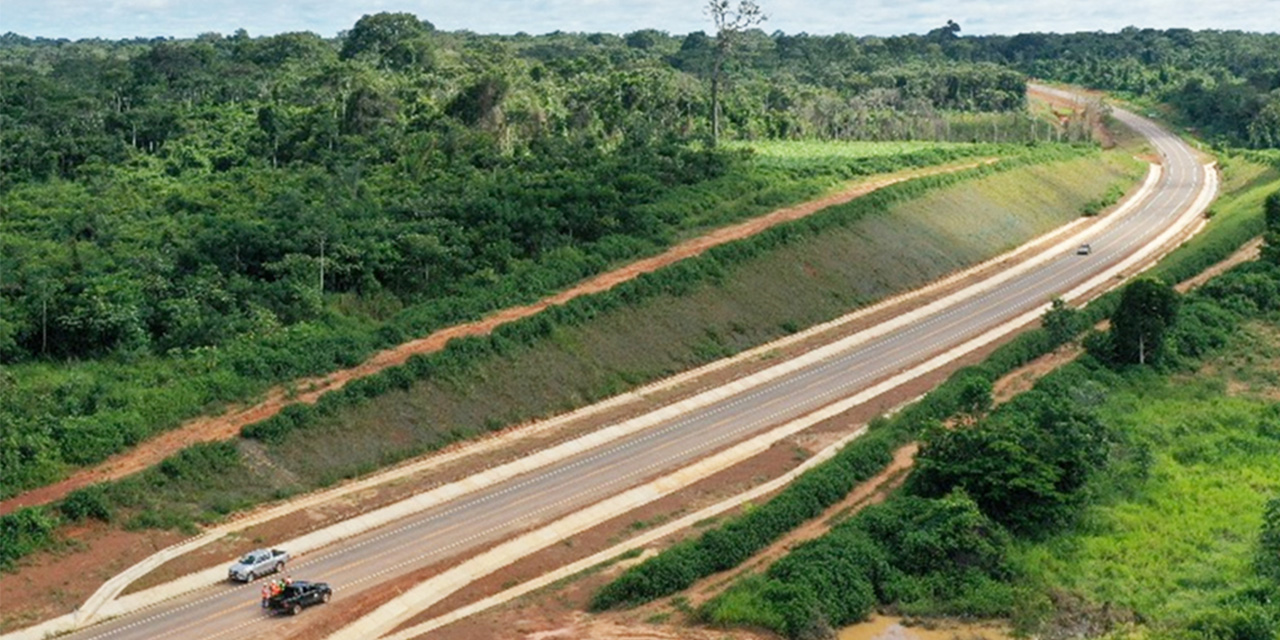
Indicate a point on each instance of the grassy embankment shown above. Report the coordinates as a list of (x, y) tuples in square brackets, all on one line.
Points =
[(741, 295), (60, 415), (1166, 531)]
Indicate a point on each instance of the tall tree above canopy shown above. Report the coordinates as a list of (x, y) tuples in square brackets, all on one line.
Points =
[(1147, 309), (396, 40), (729, 23), (1271, 238)]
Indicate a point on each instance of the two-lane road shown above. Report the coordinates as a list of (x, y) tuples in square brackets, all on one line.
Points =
[(483, 517)]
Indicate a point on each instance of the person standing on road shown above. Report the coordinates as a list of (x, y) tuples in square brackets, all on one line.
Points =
[(266, 594)]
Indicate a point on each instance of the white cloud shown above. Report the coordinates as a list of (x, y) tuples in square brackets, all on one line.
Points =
[(141, 5)]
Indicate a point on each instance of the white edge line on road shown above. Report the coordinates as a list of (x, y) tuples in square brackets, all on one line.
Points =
[(104, 603), (427, 593), (95, 607), (670, 528)]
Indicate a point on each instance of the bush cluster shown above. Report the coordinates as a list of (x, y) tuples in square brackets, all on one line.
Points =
[(728, 545), (25, 531), (920, 554)]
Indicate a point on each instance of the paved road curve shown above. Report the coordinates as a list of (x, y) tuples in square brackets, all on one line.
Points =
[(226, 611)]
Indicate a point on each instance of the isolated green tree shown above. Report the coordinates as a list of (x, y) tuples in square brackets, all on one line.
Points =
[(1271, 237), (729, 23), (1269, 542), (974, 396), (396, 40), (946, 32), (1146, 312), (1061, 321)]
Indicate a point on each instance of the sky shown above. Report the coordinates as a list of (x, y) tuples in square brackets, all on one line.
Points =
[(115, 19)]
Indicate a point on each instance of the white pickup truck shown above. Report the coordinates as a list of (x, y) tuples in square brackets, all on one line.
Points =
[(256, 563)]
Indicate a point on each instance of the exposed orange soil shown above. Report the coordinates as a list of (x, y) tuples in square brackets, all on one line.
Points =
[(1249, 251), (66, 579), (228, 425), (1025, 377), (1101, 133)]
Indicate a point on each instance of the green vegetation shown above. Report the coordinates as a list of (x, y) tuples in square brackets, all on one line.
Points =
[(1173, 531), (204, 218), (187, 222), (1128, 488), (729, 299), (69, 414), (1024, 465), (1140, 322), (937, 555)]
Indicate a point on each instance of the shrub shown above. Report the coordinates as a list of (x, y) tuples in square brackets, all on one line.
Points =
[(1269, 541), (1024, 465), (89, 502), (196, 462), (727, 546), (905, 553), (23, 532)]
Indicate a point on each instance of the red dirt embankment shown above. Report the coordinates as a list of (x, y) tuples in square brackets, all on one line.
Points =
[(228, 425)]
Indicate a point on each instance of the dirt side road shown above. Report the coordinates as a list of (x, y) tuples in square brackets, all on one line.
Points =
[(228, 425)]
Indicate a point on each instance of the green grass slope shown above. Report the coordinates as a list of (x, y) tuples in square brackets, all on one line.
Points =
[(779, 289)]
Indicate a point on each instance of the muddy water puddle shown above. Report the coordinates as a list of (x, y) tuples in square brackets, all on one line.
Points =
[(893, 628)]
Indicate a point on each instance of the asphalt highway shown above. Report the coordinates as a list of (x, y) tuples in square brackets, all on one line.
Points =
[(486, 516)]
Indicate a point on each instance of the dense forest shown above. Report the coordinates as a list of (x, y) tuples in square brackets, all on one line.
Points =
[(228, 211), (163, 194), (173, 194)]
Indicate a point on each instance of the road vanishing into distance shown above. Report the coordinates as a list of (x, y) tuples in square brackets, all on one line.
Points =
[(454, 530)]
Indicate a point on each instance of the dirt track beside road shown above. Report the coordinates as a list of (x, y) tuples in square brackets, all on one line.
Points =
[(228, 424)]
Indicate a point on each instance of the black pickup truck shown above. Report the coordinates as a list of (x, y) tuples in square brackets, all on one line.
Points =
[(298, 595)]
